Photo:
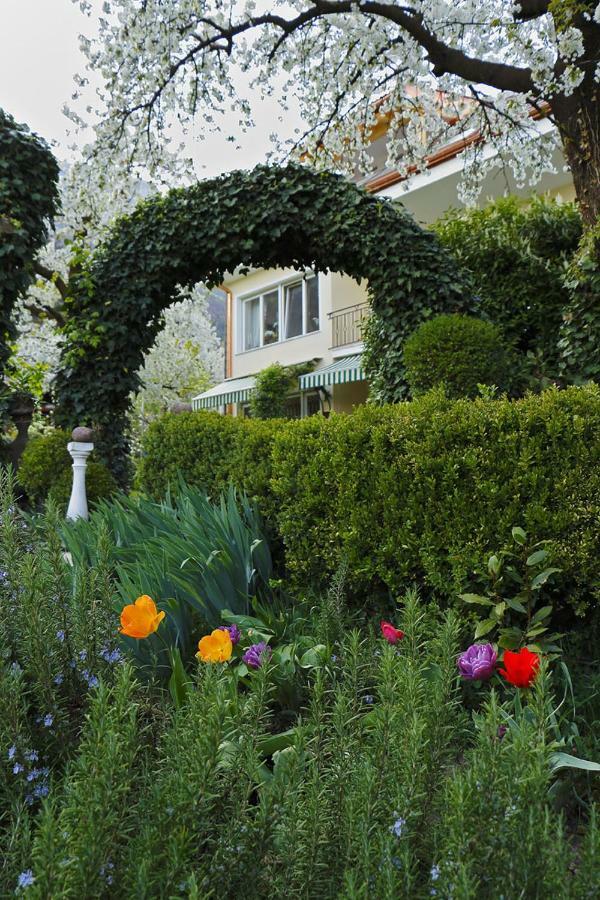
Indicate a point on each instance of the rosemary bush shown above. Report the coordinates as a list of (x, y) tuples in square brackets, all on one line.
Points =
[(393, 781)]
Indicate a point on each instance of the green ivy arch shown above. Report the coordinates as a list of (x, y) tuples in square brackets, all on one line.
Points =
[(270, 217), (28, 202)]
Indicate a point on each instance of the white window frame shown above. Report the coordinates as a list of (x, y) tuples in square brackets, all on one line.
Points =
[(280, 287)]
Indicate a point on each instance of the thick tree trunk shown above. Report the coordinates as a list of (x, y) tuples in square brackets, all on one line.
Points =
[(578, 119)]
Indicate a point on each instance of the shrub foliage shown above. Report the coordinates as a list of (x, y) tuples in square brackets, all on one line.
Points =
[(270, 217), (28, 202), (516, 257), (423, 490), (458, 352)]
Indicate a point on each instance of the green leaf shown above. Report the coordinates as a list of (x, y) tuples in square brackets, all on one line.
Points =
[(566, 761), (541, 614), (541, 579), (515, 604), (179, 682), (476, 598), (519, 535), (536, 558), (485, 627), (314, 657), (499, 610), (494, 565)]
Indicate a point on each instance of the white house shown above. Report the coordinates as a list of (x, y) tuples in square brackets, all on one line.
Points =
[(295, 317)]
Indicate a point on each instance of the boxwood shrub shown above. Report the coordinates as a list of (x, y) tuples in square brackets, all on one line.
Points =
[(416, 491)]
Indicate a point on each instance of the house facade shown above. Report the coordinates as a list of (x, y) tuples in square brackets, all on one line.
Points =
[(316, 319)]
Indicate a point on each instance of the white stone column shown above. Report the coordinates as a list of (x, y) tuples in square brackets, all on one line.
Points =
[(79, 450)]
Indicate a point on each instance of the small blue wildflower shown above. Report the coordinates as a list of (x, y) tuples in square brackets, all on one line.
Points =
[(41, 790), (48, 720), (334, 658), (58, 679), (369, 699), (17, 769), (35, 773), (111, 656), (435, 873), (397, 827), (32, 755), (60, 635), (92, 681), (12, 751), (82, 655), (26, 879)]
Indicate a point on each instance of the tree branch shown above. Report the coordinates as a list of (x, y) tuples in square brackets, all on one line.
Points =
[(42, 311), (52, 276)]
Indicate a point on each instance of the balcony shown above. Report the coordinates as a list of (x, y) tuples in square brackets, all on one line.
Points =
[(347, 324)]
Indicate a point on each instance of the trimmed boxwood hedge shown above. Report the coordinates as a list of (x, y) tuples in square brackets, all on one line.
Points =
[(421, 490)]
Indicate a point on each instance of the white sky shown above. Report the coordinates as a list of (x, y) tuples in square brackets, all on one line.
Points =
[(39, 54)]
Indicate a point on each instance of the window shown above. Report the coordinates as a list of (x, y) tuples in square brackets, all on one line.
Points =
[(271, 317), (252, 323), (285, 312)]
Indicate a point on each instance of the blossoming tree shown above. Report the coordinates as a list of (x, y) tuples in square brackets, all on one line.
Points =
[(435, 68)]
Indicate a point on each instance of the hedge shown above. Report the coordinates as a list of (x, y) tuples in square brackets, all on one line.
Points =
[(416, 491)]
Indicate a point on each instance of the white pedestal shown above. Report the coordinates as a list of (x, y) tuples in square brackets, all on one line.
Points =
[(78, 507)]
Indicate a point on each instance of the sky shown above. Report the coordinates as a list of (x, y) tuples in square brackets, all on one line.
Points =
[(39, 54)]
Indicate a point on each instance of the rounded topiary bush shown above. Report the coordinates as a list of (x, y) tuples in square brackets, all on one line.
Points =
[(44, 459), (100, 485), (458, 352), (45, 470)]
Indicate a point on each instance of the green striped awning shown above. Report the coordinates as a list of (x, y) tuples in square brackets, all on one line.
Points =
[(342, 371), (234, 390)]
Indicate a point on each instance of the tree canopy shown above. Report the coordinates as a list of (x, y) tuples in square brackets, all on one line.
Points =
[(430, 69)]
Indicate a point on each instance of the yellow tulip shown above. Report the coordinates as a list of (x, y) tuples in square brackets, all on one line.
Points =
[(140, 619), (215, 647)]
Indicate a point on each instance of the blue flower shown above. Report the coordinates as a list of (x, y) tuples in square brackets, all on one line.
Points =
[(11, 752), (369, 699), (397, 827), (48, 720), (26, 879), (58, 679), (435, 873), (17, 769), (60, 635), (32, 755)]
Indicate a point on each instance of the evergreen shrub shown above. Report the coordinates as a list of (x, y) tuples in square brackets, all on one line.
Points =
[(45, 470), (423, 490), (458, 352)]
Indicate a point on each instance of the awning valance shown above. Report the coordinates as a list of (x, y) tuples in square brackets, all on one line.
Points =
[(342, 371), (233, 390)]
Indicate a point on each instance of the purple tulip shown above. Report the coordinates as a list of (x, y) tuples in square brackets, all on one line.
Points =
[(477, 663), (257, 654), (234, 632)]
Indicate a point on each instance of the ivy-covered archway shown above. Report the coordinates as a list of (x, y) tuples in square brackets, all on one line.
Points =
[(28, 201), (268, 218)]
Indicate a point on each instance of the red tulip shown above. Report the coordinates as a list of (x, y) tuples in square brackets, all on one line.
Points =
[(520, 668), (391, 634)]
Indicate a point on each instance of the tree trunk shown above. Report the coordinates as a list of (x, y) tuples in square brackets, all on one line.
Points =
[(578, 120)]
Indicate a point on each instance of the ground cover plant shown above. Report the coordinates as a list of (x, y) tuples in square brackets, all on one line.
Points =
[(407, 762)]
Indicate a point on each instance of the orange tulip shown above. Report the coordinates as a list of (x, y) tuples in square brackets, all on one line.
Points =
[(140, 619), (215, 647)]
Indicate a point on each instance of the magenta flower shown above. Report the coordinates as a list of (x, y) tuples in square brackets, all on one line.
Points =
[(234, 632), (477, 662), (257, 654)]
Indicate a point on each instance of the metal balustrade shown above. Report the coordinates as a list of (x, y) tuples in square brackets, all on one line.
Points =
[(347, 324)]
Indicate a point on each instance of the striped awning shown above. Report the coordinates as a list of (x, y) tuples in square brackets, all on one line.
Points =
[(234, 390), (342, 371)]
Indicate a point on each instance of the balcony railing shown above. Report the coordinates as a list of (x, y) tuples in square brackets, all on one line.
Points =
[(347, 324)]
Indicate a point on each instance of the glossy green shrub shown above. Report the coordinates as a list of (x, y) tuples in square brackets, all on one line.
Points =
[(458, 352), (43, 459), (516, 256), (45, 470), (423, 490), (210, 451), (99, 484)]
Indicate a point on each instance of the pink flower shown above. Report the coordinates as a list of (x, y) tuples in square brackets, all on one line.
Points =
[(392, 635)]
